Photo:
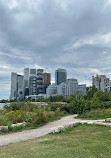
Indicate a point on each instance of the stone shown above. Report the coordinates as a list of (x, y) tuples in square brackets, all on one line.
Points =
[(3, 128), (18, 124), (108, 119)]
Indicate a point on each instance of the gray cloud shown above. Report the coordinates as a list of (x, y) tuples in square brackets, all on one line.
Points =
[(74, 34)]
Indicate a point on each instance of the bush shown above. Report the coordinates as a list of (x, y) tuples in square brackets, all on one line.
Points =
[(3, 120), (39, 117), (13, 106), (26, 106), (103, 96), (95, 103), (16, 128), (16, 116), (96, 114), (59, 107), (90, 91), (88, 104), (29, 107), (58, 98), (105, 104), (78, 105), (69, 99), (50, 115)]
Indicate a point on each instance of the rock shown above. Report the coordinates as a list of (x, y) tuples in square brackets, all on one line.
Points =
[(108, 119), (18, 124), (90, 122), (83, 122), (98, 123), (3, 128)]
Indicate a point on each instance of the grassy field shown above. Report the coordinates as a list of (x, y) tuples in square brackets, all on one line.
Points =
[(79, 142), (96, 114)]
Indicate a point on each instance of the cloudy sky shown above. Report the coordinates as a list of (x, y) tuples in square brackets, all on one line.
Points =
[(71, 34)]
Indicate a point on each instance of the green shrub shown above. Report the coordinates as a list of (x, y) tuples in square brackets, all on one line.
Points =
[(88, 105), (69, 99), (106, 104), (3, 120), (90, 91), (39, 117), (103, 96), (15, 128), (26, 106), (58, 98), (59, 107), (95, 103), (16, 116), (78, 105), (30, 107), (13, 106), (96, 114), (50, 115), (28, 116)]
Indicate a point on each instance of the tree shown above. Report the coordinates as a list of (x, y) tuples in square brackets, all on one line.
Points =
[(58, 98), (94, 103), (103, 96), (78, 105), (69, 99), (90, 91)]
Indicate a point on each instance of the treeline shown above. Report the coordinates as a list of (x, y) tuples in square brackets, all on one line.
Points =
[(93, 99)]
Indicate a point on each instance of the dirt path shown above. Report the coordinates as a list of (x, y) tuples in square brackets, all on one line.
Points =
[(46, 129), (34, 133)]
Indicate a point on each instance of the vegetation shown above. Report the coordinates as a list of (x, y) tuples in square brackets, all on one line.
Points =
[(79, 142), (32, 114), (78, 105), (3, 101), (90, 91), (96, 114), (95, 104)]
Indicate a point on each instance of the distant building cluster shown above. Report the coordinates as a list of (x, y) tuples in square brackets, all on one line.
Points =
[(36, 83), (102, 83)]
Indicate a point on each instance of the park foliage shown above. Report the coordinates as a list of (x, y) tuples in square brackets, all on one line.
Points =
[(57, 106)]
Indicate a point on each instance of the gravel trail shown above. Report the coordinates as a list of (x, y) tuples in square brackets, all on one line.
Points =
[(34, 133), (46, 129)]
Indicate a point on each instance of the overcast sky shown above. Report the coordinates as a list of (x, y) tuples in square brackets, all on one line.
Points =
[(71, 34)]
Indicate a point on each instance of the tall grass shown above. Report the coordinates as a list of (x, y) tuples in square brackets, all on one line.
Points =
[(96, 114), (3, 120)]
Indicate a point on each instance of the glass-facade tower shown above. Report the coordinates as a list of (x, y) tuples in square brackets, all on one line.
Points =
[(60, 76)]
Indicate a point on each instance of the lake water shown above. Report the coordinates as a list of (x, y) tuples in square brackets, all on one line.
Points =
[(1, 105)]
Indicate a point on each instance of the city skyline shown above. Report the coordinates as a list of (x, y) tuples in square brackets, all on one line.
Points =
[(36, 83), (74, 35)]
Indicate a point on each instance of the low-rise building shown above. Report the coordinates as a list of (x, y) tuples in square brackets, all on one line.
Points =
[(66, 89), (51, 90), (82, 89)]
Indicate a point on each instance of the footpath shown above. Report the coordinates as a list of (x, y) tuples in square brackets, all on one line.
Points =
[(46, 129)]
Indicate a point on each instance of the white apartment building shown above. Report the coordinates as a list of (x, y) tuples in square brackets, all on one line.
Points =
[(101, 82)]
